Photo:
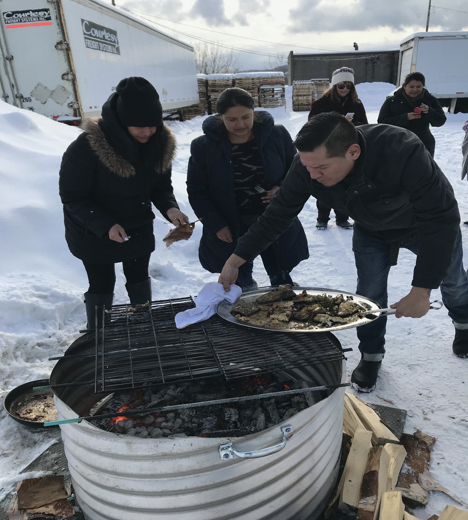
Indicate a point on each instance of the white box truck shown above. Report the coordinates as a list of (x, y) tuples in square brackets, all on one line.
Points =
[(63, 58), (443, 59)]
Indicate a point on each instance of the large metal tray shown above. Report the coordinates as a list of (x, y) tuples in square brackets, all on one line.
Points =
[(224, 309)]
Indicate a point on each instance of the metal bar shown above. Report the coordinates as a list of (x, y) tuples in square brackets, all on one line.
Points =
[(128, 413)]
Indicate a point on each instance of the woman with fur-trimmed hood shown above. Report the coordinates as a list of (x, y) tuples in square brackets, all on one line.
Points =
[(109, 177)]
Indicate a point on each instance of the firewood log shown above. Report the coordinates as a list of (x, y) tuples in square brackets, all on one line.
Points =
[(391, 506), (453, 513)]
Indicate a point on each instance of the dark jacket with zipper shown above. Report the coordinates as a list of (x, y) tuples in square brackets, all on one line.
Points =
[(107, 178), (394, 190), (210, 187), (395, 112), (325, 104)]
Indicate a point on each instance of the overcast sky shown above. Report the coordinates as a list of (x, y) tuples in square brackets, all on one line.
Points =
[(301, 25)]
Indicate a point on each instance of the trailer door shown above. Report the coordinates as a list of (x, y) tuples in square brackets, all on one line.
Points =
[(37, 50)]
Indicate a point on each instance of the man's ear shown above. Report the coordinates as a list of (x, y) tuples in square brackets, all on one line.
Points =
[(354, 151)]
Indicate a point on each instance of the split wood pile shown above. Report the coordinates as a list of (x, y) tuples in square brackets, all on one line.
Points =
[(373, 485), (306, 91)]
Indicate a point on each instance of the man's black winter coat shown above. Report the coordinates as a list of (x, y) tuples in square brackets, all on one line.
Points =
[(210, 187), (107, 178), (395, 111), (395, 189)]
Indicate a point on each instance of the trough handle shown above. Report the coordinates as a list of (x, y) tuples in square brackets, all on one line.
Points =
[(227, 452)]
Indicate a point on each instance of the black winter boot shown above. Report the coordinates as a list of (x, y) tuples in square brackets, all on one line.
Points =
[(99, 301), (460, 343), (364, 376), (139, 293)]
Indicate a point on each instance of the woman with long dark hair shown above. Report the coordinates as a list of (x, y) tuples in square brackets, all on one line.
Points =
[(109, 177), (342, 98), (413, 108), (234, 170)]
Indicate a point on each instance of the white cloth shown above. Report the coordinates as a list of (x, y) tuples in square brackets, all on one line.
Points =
[(206, 302)]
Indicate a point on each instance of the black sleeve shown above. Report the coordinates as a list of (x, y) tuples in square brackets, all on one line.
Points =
[(386, 115), (162, 193), (77, 176), (360, 117), (436, 115)]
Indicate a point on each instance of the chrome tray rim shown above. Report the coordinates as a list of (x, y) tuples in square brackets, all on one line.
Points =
[(224, 308)]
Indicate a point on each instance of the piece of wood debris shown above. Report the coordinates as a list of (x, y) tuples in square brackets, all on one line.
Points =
[(413, 495), (36, 492), (351, 421), (371, 421), (386, 400), (397, 455), (430, 441), (374, 483), (391, 506), (453, 513), (430, 483), (407, 516), (354, 469), (433, 517)]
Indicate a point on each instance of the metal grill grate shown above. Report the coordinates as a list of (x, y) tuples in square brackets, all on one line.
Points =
[(141, 345)]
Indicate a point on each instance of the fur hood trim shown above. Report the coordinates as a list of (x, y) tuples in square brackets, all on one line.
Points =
[(112, 160)]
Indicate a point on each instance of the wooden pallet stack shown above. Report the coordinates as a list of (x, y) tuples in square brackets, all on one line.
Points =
[(252, 81), (198, 109), (271, 96), (306, 91), (216, 84)]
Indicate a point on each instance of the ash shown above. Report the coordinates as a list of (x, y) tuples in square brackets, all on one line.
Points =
[(233, 419)]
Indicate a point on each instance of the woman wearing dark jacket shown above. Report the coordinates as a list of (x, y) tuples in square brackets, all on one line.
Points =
[(234, 170), (342, 98), (413, 108), (109, 177)]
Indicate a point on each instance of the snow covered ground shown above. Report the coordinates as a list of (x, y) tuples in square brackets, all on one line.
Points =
[(41, 288)]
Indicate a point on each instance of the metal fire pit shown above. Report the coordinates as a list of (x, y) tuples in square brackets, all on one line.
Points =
[(117, 477)]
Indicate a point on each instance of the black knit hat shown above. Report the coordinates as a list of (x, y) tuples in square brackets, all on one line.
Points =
[(138, 103)]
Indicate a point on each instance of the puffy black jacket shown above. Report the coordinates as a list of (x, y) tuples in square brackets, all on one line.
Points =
[(324, 104), (210, 187), (106, 178), (394, 190), (395, 112)]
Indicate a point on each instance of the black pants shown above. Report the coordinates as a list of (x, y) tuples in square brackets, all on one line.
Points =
[(101, 277), (324, 213)]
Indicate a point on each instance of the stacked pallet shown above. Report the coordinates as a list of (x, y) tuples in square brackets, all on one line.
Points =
[(216, 84), (198, 109), (271, 96), (306, 91), (252, 81)]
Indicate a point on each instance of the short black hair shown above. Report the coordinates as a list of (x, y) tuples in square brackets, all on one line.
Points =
[(414, 76), (234, 97), (328, 129)]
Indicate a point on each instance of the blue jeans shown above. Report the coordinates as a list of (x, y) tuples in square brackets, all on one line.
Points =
[(372, 257)]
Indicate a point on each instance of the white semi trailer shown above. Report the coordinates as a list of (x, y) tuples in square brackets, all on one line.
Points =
[(443, 59), (63, 58)]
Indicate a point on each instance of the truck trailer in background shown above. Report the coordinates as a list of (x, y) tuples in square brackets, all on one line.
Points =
[(63, 58), (443, 59)]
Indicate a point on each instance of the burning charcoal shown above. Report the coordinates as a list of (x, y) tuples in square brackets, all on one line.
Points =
[(185, 414), (258, 411), (150, 428), (231, 414), (147, 420), (261, 422), (128, 424), (166, 433), (170, 417), (158, 421), (310, 397), (156, 433), (167, 425), (178, 423), (144, 433), (289, 413), (120, 426), (209, 422), (132, 431), (179, 435), (272, 411)]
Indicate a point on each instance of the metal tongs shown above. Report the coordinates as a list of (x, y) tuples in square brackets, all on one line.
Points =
[(436, 304)]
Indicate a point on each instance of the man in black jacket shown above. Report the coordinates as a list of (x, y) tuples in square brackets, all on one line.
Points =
[(385, 179)]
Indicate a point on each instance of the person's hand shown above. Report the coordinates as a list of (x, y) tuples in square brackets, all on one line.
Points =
[(413, 115), (177, 217), (414, 305), (225, 234), (118, 234), (230, 271), (424, 108), (267, 196), (349, 118)]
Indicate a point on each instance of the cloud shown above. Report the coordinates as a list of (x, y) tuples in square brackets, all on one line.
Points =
[(359, 15), (251, 7), (170, 9), (212, 11)]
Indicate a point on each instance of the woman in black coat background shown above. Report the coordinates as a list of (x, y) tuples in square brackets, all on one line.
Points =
[(413, 108), (342, 98), (109, 177), (234, 170)]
